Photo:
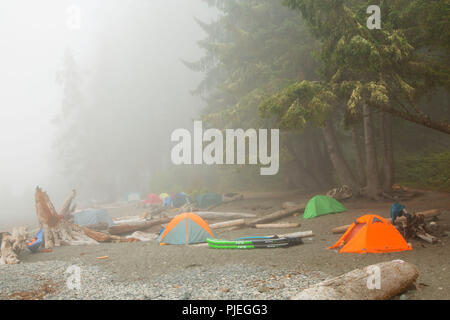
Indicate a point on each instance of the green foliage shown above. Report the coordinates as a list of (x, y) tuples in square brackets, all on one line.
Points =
[(253, 49), (427, 171), (299, 103), (390, 69)]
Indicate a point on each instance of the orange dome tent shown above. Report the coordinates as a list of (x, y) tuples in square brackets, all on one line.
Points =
[(371, 233), (186, 228)]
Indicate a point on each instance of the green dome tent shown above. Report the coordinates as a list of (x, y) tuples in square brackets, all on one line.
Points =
[(320, 205)]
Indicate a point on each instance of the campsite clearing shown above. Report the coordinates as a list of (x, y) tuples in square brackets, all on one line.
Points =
[(133, 263)]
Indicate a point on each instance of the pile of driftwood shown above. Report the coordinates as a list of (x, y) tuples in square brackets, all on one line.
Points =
[(232, 220), (414, 228)]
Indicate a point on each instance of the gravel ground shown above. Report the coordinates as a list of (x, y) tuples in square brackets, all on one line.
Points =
[(48, 280)]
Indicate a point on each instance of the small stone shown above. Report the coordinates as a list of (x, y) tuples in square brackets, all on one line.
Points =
[(404, 297), (263, 289)]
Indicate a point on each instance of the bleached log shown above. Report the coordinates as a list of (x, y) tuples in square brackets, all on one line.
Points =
[(227, 224), (124, 228), (277, 225), (224, 215), (142, 236), (361, 284), (426, 214), (289, 204), (277, 215), (299, 234)]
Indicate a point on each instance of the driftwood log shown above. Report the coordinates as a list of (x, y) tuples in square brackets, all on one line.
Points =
[(289, 210), (224, 215), (395, 277), (98, 226), (277, 225), (426, 214), (125, 228), (227, 224), (96, 235), (298, 234)]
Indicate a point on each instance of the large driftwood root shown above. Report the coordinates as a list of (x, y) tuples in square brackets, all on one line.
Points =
[(395, 277), (58, 230)]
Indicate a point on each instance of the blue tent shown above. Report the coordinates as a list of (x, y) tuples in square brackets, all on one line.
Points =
[(208, 199), (93, 216), (180, 199)]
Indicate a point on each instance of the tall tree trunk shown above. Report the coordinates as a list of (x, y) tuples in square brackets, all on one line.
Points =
[(360, 161), (302, 164), (313, 155), (373, 186), (341, 167), (388, 152)]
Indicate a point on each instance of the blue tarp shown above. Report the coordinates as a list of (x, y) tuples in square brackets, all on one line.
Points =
[(93, 216), (37, 241)]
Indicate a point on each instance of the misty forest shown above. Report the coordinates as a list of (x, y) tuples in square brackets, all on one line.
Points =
[(92, 107), (358, 108)]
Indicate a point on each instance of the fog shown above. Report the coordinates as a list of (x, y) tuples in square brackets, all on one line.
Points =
[(88, 101)]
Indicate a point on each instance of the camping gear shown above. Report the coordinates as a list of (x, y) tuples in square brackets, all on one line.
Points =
[(206, 200), (180, 199), (321, 205), (397, 210), (167, 201), (254, 243), (186, 228), (371, 233), (427, 214), (153, 198), (249, 246), (93, 217), (36, 242)]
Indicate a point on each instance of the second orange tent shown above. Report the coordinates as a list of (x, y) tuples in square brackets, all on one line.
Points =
[(371, 233)]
